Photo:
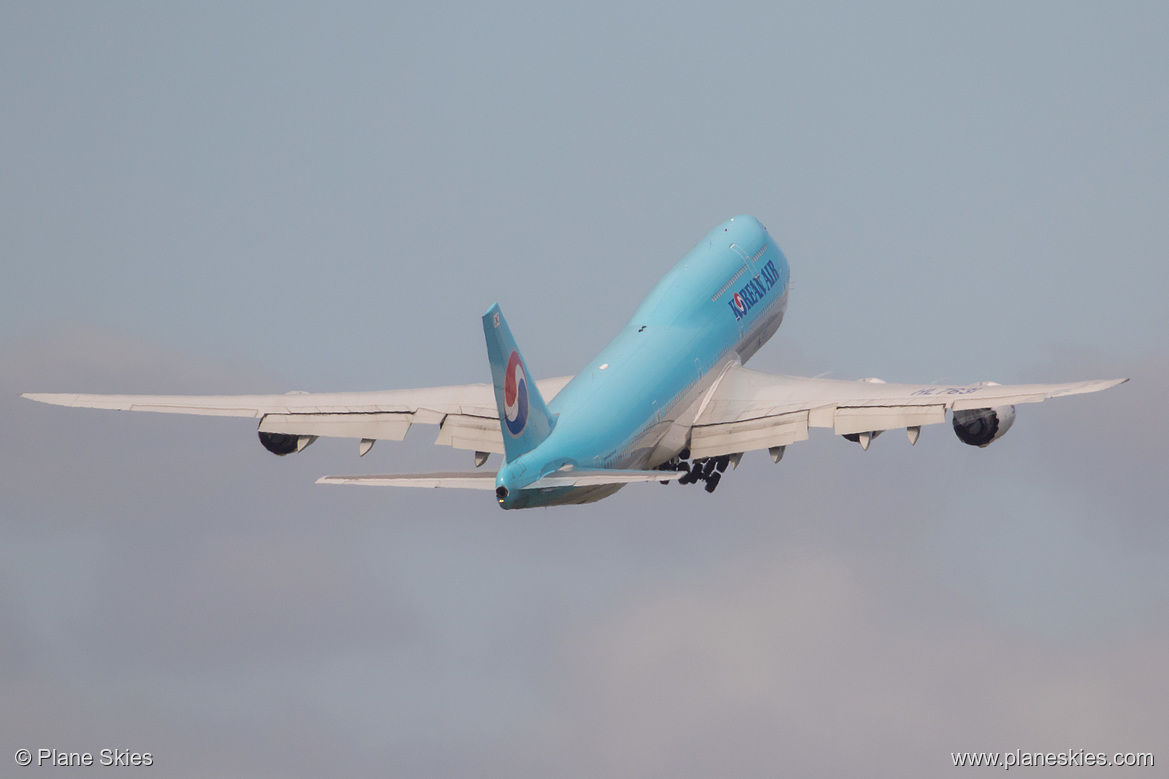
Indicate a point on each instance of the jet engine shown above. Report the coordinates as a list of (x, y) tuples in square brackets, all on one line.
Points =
[(283, 443), (982, 426)]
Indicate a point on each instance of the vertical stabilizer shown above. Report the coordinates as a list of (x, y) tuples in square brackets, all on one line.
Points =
[(523, 417)]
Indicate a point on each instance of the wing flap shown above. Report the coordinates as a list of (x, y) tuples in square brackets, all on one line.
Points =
[(864, 419), (472, 433), (391, 426), (746, 435)]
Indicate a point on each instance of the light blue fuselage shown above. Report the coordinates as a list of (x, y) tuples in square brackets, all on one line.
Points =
[(719, 304)]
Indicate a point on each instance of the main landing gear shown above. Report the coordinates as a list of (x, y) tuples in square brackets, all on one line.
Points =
[(708, 469)]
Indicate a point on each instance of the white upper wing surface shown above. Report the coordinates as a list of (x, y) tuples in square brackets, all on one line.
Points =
[(748, 410), (466, 413)]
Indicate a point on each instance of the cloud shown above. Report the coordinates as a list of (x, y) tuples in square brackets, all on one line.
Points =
[(897, 607), (827, 664), (165, 580)]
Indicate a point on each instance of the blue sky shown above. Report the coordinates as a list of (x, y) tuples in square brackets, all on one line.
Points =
[(289, 188), (228, 198)]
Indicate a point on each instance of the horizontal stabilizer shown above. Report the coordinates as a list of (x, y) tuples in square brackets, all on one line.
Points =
[(469, 480), (601, 476), (485, 480)]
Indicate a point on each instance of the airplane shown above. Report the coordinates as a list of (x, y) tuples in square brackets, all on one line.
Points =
[(668, 399)]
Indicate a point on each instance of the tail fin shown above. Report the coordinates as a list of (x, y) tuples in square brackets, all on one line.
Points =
[(523, 417)]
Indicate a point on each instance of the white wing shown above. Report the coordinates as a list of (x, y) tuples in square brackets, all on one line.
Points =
[(748, 410), (466, 414)]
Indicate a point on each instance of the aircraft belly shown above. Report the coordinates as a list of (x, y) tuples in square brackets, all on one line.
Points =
[(763, 327)]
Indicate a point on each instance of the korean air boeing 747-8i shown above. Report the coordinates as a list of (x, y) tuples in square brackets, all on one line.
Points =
[(667, 400)]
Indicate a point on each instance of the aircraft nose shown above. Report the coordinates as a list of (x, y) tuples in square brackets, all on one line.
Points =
[(743, 227)]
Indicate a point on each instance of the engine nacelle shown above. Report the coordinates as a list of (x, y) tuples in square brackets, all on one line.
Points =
[(284, 443), (983, 426)]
